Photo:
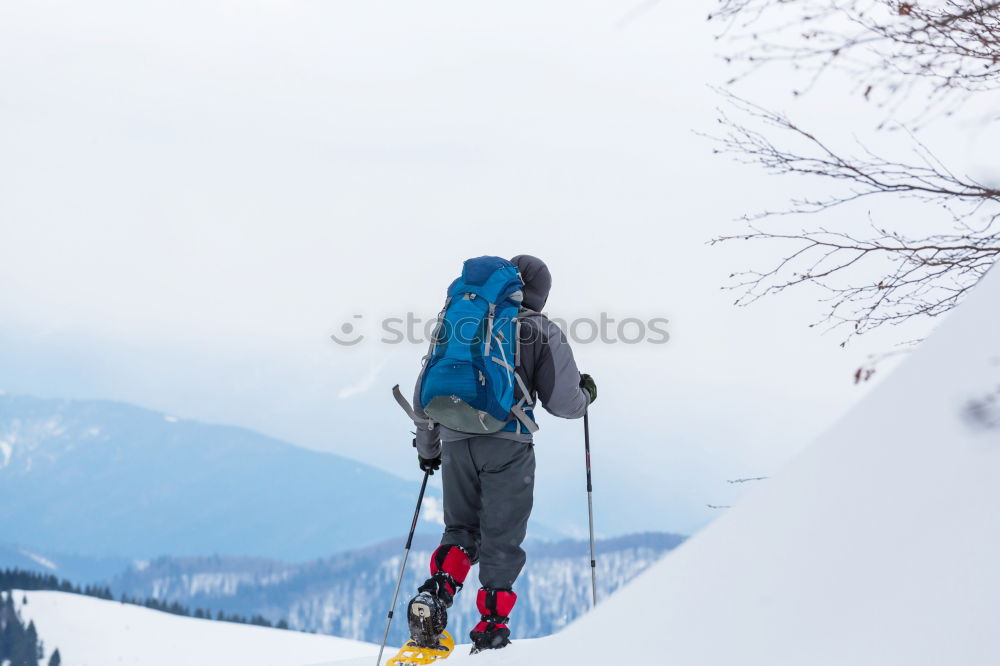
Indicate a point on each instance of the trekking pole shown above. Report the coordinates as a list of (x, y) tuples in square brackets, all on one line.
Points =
[(402, 567), (590, 506)]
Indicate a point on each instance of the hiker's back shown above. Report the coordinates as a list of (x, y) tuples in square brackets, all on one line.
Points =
[(470, 382)]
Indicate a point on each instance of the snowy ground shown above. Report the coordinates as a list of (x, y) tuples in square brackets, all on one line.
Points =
[(520, 653), (94, 632)]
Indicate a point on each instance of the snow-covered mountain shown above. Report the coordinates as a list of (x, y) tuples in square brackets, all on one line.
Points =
[(99, 478), (94, 632), (878, 546), (347, 594)]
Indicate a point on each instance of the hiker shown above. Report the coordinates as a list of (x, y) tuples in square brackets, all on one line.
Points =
[(493, 356)]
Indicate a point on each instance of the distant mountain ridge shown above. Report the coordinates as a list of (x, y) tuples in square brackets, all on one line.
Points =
[(106, 479), (347, 594)]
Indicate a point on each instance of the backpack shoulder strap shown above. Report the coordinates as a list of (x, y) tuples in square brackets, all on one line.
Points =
[(525, 401)]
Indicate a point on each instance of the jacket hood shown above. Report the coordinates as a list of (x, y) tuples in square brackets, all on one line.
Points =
[(537, 280)]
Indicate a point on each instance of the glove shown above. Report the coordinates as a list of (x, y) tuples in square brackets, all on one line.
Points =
[(588, 384), (429, 465)]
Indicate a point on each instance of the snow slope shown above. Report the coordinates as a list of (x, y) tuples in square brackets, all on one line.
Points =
[(878, 546), (95, 632)]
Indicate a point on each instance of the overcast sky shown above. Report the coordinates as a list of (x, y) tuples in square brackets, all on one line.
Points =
[(195, 195)]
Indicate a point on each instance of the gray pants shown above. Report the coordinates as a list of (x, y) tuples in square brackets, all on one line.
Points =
[(488, 493)]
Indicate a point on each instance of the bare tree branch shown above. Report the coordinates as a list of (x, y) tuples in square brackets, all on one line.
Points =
[(887, 276), (944, 48)]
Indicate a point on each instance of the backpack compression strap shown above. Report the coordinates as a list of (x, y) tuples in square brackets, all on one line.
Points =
[(398, 395), (516, 410)]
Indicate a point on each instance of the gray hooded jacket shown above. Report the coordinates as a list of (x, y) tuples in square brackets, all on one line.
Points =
[(547, 365)]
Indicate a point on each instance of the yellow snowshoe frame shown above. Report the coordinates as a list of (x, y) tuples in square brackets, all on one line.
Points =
[(412, 654)]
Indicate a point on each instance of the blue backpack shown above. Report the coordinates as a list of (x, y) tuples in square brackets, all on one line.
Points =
[(470, 373)]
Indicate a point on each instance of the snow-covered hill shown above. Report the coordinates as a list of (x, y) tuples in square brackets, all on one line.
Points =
[(94, 632), (878, 546)]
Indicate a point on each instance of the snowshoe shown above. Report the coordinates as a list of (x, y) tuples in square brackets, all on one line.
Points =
[(412, 654)]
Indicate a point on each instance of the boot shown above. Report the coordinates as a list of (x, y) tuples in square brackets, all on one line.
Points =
[(427, 613), (492, 632)]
